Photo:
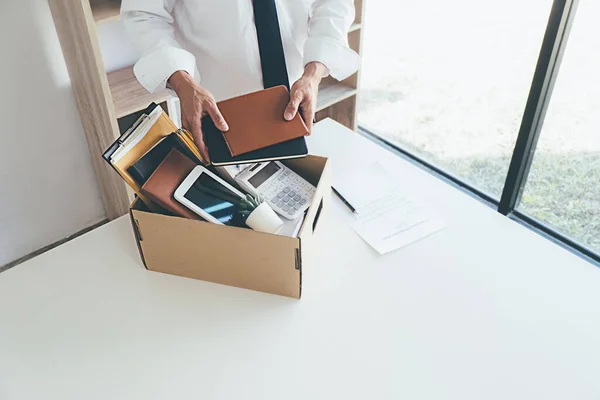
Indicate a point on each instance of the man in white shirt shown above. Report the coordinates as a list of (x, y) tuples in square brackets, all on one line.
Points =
[(207, 51)]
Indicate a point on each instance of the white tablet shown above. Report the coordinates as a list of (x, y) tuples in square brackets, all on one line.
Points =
[(209, 196)]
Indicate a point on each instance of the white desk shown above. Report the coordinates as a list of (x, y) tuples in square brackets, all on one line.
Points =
[(482, 310)]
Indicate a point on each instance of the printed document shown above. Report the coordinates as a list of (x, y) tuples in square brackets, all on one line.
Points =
[(386, 218)]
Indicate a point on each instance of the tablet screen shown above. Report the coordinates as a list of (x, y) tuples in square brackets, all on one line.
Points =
[(214, 199)]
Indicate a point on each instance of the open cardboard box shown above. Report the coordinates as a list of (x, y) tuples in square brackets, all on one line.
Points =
[(229, 255)]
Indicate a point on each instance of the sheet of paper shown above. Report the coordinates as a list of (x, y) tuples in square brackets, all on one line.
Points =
[(386, 218), (363, 186), (137, 135)]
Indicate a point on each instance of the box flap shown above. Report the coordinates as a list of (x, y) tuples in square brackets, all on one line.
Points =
[(312, 168)]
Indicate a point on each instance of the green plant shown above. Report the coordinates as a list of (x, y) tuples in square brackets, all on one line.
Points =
[(248, 204)]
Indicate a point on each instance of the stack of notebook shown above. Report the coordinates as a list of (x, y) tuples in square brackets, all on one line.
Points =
[(137, 153), (257, 130)]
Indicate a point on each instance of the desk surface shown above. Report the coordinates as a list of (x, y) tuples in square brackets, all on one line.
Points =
[(484, 309)]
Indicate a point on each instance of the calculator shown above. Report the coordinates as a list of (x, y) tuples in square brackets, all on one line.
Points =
[(286, 192)]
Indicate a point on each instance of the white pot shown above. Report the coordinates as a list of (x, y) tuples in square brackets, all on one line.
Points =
[(264, 219)]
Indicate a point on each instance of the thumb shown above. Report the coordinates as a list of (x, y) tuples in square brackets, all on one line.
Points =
[(215, 114)]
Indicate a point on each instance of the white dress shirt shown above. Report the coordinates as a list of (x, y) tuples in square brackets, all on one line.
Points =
[(215, 41)]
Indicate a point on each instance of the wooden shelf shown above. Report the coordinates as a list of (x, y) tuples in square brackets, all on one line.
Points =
[(128, 95), (332, 92), (359, 7), (105, 11)]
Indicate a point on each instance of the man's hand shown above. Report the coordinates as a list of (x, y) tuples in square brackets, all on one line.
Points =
[(303, 95), (196, 102)]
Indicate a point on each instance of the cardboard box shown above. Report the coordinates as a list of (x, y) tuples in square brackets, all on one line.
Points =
[(229, 255)]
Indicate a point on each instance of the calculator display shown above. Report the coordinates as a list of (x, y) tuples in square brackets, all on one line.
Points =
[(264, 174)]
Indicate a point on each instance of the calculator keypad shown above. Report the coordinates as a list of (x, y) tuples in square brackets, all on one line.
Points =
[(289, 194)]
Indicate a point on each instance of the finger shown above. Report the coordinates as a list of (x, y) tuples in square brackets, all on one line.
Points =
[(308, 120), (308, 115), (196, 129), (292, 107), (211, 108)]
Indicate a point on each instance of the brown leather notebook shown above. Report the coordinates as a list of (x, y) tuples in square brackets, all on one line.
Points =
[(166, 179), (256, 120)]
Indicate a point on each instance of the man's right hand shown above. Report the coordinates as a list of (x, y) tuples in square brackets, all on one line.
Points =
[(196, 102)]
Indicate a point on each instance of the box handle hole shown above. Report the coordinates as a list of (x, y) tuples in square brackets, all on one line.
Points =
[(317, 215)]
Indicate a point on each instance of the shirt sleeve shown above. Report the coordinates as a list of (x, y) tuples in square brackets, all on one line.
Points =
[(149, 24), (327, 40)]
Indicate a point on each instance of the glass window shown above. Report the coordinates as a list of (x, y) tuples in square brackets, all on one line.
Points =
[(449, 80), (563, 187)]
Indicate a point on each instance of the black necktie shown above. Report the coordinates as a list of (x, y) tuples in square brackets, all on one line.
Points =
[(270, 46)]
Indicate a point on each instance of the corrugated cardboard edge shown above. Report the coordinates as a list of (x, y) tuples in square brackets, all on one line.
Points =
[(323, 189), (136, 232), (299, 255)]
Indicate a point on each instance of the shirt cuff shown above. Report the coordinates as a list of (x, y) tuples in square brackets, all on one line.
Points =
[(338, 58), (154, 69)]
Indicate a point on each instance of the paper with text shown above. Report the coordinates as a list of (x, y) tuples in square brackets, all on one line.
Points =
[(386, 218)]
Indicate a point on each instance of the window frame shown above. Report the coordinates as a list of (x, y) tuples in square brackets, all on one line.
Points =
[(547, 69)]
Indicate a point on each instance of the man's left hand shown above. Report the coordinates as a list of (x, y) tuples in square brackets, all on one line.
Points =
[(303, 94)]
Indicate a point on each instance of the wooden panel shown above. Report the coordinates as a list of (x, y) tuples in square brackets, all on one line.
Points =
[(355, 36), (358, 10), (343, 112), (128, 95), (77, 33), (105, 10), (355, 40), (331, 92), (355, 43)]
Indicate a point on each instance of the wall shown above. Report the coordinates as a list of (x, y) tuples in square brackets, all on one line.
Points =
[(47, 186)]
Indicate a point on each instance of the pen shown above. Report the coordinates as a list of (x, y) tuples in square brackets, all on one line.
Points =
[(342, 198)]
